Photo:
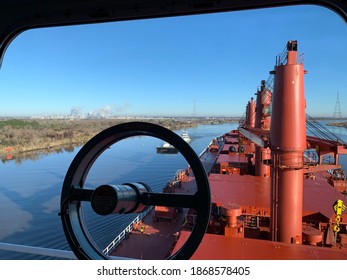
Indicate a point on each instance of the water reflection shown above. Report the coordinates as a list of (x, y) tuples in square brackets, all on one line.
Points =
[(36, 155), (52, 205), (16, 219)]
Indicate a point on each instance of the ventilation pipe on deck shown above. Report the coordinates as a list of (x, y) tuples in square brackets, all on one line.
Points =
[(252, 112)]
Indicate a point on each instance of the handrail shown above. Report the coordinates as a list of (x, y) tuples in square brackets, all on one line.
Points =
[(57, 253), (282, 57), (120, 237)]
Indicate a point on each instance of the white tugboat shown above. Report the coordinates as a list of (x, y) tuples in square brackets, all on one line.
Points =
[(186, 137)]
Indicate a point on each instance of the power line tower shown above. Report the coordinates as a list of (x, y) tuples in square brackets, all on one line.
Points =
[(337, 111)]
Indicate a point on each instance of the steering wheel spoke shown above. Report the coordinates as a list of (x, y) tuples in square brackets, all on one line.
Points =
[(79, 194), (170, 200)]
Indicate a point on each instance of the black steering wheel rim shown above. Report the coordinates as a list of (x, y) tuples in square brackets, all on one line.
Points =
[(71, 216)]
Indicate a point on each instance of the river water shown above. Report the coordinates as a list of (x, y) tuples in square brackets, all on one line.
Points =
[(30, 188)]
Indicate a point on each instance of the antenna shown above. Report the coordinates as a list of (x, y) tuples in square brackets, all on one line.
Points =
[(337, 111)]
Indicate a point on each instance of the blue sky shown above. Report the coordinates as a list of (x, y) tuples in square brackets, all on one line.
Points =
[(210, 65)]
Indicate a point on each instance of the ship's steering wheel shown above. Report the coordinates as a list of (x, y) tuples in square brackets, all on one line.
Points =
[(127, 198)]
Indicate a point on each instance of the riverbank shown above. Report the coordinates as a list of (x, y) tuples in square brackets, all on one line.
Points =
[(19, 136), (339, 124)]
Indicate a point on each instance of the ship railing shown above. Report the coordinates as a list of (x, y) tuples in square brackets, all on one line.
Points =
[(40, 251), (291, 162), (255, 220), (212, 157), (308, 158), (207, 148), (311, 157), (243, 121), (338, 173), (282, 57), (269, 84), (190, 221), (115, 242), (251, 221)]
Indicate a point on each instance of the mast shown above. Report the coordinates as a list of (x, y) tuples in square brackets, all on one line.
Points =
[(262, 121), (287, 144)]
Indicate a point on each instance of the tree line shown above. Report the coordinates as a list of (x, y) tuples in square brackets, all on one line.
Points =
[(21, 135)]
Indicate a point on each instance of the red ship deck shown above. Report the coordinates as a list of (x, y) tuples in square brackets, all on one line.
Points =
[(158, 237), (254, 191), (244, 190), (156, 241), (217, 247)]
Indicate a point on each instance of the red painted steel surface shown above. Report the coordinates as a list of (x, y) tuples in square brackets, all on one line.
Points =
[(262, 119), (217, 247), (262, 155), (252, 113), (288, 142)]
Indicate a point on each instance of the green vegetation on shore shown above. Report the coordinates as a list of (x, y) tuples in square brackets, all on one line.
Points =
[(23, 135)]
